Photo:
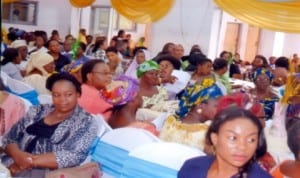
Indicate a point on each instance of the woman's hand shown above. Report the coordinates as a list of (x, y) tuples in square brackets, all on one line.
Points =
[(23, 160)]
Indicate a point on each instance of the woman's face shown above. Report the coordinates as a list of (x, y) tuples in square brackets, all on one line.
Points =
[(112, 57), (178, 51), (226, 56), (140, 57), (151, 77), (39, 41), (257, 62), (18, 59), (64, 96), (262, 82), (100, 76), (236, 142), (166, 68), (209, 109), (205, 68), (50, 67)]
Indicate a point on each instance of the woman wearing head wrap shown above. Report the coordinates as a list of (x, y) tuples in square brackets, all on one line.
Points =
[(141, 56), (39, 67), (151, 93), (196, 94), (122, 94), (263, 92)]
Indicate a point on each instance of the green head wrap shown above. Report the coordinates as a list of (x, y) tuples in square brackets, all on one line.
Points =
[(146, 66)]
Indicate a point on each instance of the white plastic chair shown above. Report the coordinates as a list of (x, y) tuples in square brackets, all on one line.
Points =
[(129, 138), (113, 147), (102, 125), (159, 159), (45, 99), (15, 85), (167, 154)]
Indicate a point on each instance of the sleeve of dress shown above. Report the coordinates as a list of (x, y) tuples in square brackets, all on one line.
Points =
[(15, 134), (75, 149)]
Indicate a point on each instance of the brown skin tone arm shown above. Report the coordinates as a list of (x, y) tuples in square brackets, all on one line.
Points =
[(47, 160), (22, 159)]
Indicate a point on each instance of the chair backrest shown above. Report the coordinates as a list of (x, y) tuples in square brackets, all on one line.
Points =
[(102, 125), (112, 149), (15, 85), (20, 88), (129, 138), (45, 99), (160, 159), (168, 154)]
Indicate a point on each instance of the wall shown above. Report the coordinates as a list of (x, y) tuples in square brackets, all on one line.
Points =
[(187, 23), (267, 43), (50, 16), (291, 45)]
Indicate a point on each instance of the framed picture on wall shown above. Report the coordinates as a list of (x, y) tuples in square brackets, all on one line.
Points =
[(20, 12)]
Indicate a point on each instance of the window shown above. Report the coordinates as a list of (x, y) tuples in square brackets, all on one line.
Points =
[(100, 20), (23, 12), (121, 22)]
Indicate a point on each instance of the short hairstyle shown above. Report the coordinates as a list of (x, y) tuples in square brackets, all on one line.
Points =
[(63, 76), (233, 113), (264, 59), (282, 62), (49, 41), (82, 46), (223, 53), (166, 57), (293, 139), (202, 61), (120, 32), (111, 49), (9, 55), (88, 68), (219, 63)]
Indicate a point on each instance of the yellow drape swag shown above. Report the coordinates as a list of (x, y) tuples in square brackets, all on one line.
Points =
[(277, 16), (142, 11), (8, 1), (81, 3)]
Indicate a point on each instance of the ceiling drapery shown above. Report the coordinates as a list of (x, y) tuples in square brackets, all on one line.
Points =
[(81, 3), (8, 1), (143, 11), (278, 16)]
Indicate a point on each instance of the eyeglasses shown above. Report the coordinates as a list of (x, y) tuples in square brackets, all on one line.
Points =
[(102, 73)]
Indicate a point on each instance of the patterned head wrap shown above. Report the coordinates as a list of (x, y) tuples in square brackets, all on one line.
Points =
[(73, 67), (261, 71), (146, 66), (197, 94), (122, 90)]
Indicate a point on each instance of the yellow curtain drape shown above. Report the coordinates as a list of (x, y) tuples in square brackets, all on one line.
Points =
[(143, 11), (8, 1), (280, 16), (81, 3)]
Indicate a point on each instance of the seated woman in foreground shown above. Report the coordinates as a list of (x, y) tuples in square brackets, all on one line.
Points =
[(50, 136), (95, 76), (237, 138)]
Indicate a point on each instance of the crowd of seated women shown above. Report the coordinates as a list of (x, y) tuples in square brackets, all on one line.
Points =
[(129, 87)]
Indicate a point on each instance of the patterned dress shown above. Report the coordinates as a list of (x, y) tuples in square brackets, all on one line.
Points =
[(70, 141)]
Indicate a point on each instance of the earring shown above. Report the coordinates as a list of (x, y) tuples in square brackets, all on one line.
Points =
[(199, 111)]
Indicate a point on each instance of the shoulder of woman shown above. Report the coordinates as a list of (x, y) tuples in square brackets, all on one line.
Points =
[(257, 171)]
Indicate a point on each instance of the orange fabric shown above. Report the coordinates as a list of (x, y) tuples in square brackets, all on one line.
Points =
[(277, 173), (91, 101)]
